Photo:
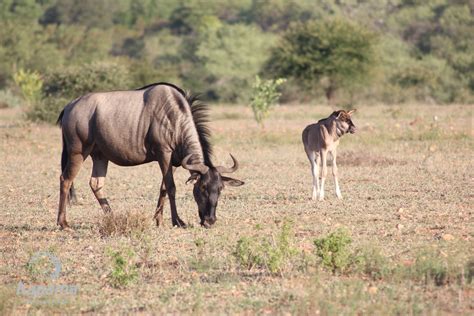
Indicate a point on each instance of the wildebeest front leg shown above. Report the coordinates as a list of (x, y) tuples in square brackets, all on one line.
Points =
[(67, 177), (324, 172), (97, 182), (334, 173), (167, 171), (159, 207)]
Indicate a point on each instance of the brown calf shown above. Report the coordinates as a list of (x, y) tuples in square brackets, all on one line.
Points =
[(321, 138)]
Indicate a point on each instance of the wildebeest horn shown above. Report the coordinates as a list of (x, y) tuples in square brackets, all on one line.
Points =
[(222, 169), (199, 167)]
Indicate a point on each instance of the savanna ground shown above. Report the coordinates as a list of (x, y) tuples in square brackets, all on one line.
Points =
[(407, 184)]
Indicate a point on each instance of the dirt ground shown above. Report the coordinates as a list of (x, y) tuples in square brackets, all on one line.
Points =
[(407, 183)]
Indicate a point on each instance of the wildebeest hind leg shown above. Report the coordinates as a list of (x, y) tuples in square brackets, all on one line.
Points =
[(97, 181), (159, 207), (67, 177)]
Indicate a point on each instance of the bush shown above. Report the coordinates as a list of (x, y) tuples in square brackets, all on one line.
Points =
[(264, 95), (273, 254), (123, 271), (63, 85), (371, 262), (333, 250), (30, 85)]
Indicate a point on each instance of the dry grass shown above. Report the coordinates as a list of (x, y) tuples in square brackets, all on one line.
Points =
[(128, 223), (406, 178)]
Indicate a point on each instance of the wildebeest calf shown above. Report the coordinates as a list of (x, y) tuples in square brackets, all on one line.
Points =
[(321, 138)]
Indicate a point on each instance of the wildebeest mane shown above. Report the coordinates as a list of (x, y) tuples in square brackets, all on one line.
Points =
[(335, 113), (200, 113)]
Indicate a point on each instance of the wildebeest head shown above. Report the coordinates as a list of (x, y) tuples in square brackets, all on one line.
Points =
[(344, 121), (208, 184)]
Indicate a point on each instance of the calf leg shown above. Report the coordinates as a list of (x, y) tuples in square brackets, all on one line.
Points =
[(334, 173), (97, 181), (315, 172), (324, 172), (73, 166)]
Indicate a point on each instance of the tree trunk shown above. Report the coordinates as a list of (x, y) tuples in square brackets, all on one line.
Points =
[(331, 93)]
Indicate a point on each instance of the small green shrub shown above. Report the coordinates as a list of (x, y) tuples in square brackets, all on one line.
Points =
[(264, 95), (30, 85), (247, 253), (371, 262), (124, 272), (333, 250), (272, 254)]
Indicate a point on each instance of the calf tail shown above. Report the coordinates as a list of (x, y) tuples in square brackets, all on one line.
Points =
[(64, 160)]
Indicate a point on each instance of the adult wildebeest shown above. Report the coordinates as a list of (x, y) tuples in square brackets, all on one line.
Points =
[(321, 138), (159, 122)]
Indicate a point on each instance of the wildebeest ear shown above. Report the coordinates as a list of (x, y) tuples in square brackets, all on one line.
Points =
[(232, 182), (193, 178), (352, 111)]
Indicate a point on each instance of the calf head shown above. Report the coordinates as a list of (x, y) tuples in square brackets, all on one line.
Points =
[(344, 121), (208, 184)]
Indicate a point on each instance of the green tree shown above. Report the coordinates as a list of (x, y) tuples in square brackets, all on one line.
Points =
[(334, 53), (233, 55)]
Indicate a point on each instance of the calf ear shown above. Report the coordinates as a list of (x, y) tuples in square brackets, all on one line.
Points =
[(232, 182), (352, 111), (193, 178)]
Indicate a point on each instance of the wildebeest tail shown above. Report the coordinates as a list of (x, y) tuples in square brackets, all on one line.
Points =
[(64, 160), (60, 118)]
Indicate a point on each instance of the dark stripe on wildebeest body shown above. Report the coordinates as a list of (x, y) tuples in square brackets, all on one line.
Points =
[(158, 122)]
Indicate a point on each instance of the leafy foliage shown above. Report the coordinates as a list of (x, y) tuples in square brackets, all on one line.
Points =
[(339, 50), (333, 250), (370, 262), (334, 52), (124, 272), (30, 85), (230, 61), (264, 95), (273, 255), (64, 85)]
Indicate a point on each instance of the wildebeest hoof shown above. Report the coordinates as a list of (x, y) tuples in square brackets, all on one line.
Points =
[(206, 225), (180, 223), (64, 226)]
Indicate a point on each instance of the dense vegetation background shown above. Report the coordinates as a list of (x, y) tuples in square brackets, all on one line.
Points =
[(342, 51)]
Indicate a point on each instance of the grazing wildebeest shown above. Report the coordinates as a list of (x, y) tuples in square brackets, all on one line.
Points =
[(159, 122), (321, 138)]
